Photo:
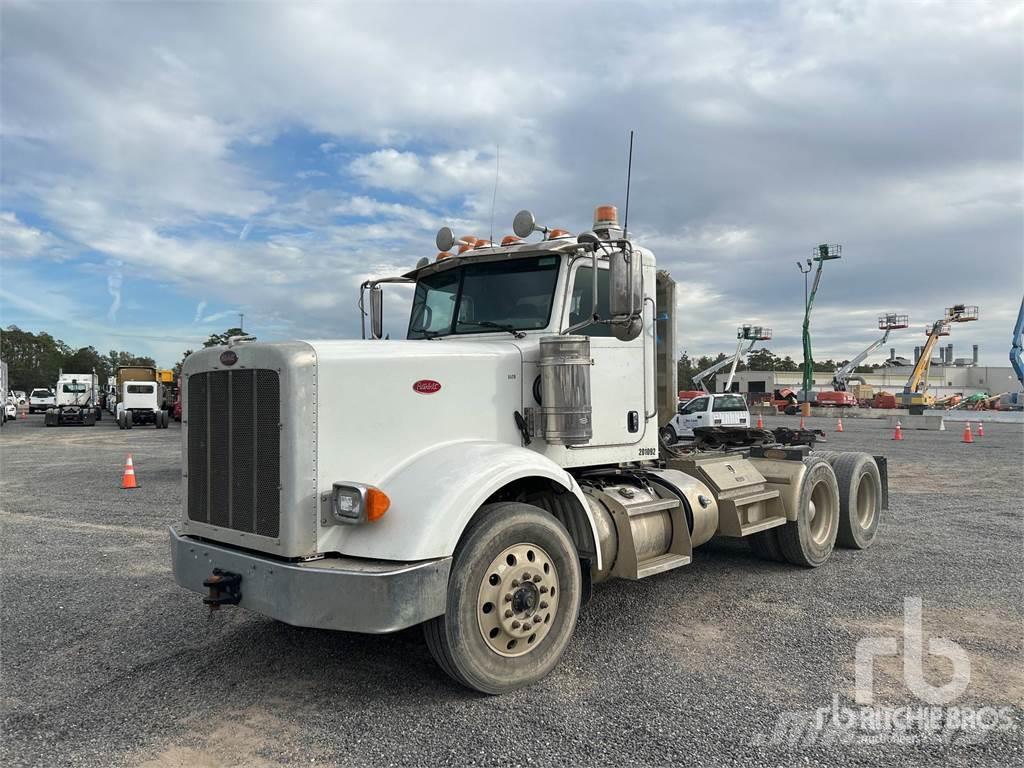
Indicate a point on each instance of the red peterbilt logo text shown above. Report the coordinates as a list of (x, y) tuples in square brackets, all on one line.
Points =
[(426, 386)]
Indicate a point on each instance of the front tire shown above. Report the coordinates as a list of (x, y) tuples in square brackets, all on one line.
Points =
[(513, 600), (668, 435)]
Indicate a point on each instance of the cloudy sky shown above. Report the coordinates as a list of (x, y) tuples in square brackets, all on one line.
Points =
[(165, 167)]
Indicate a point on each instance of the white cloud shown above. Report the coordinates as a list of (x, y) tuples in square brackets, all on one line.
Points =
[(20, 241), (893, 128), (115, 279)]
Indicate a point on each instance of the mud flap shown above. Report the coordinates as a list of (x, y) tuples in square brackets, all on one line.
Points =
[(883, 475)]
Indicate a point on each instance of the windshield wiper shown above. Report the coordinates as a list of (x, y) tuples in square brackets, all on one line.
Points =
[(427, 334), (499, 326)]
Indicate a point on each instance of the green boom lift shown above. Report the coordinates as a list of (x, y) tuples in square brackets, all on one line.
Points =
[(822, 254)]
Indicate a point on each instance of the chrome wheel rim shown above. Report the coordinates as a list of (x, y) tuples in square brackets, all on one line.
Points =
[(866, 500), (822, 512), (518, 600)]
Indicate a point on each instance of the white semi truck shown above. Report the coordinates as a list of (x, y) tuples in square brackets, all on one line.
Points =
[(482, 475), (77, 401), (139, 396)]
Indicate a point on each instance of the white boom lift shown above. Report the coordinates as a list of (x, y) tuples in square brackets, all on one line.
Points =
[(888, 322), (749, 334)]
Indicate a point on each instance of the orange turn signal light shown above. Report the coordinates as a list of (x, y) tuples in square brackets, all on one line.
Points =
[(555, 233), (442, 255), (510, 240), (377, 503)]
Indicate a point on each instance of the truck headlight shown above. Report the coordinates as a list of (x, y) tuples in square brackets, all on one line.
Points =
[(358, 503)]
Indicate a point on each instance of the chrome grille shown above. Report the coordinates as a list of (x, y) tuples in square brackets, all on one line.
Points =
[(234, 450)]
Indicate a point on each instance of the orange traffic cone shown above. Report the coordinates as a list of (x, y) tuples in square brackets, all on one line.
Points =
[(968, 437), (839, 426), (898, 434), (128, 478), (981, 429), (760, 422)]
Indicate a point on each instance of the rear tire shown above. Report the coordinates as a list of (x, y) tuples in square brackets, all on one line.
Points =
[(165, 420), (127, 420), (513, 600), (829, 456), (860, 500), (809, 540)]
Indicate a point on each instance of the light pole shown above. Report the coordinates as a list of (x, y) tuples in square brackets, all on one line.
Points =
[(804, 273)]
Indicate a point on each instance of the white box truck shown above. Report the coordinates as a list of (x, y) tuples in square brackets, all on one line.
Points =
[(77, 401), (480, 476)]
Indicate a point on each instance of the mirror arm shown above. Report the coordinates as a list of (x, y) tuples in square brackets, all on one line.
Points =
[(593, 305)]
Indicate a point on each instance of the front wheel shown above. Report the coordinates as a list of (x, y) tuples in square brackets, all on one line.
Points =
[(668, 435), (513, 599)]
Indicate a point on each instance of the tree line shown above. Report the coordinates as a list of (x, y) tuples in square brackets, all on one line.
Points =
[(36, 359)]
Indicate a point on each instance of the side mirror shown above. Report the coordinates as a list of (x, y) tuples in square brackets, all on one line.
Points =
[(524, 224), (376, 312), (625, 300), (445, 239)]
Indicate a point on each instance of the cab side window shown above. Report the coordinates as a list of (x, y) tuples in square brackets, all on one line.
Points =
[(696, 406), (582, 298), (730, 403)]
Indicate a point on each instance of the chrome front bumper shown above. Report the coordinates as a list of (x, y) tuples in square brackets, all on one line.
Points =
[(346, 593)]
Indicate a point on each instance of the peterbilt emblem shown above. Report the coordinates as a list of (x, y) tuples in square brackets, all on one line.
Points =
[(228, 357), (426, 386)]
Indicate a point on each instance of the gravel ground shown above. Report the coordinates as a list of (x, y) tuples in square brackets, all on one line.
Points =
[(106, 662)]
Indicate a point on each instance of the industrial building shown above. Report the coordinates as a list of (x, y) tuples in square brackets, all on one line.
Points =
[(948, 375)]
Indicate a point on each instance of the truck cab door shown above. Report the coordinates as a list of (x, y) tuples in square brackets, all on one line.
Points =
[(617, 377), (695, 413)]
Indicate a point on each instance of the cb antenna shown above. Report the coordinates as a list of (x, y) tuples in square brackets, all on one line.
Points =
[(494, 197), (629, 174)]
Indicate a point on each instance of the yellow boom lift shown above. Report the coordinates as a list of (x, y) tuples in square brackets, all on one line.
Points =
[(914, 395)]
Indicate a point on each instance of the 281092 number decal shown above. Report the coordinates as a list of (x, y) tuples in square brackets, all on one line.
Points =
[(648, 451)]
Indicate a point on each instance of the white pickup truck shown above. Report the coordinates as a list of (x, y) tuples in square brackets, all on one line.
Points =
[(41, 400), (711, 410)]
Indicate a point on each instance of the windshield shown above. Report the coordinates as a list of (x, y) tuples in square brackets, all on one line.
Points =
[(484, 298), (74, 387)]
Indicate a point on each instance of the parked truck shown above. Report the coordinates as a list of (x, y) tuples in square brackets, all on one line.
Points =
[(77, 401), (3, 392), (480, 477), (139, 398)]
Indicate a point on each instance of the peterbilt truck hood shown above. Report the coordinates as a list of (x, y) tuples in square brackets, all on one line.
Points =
[(350, 411)]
